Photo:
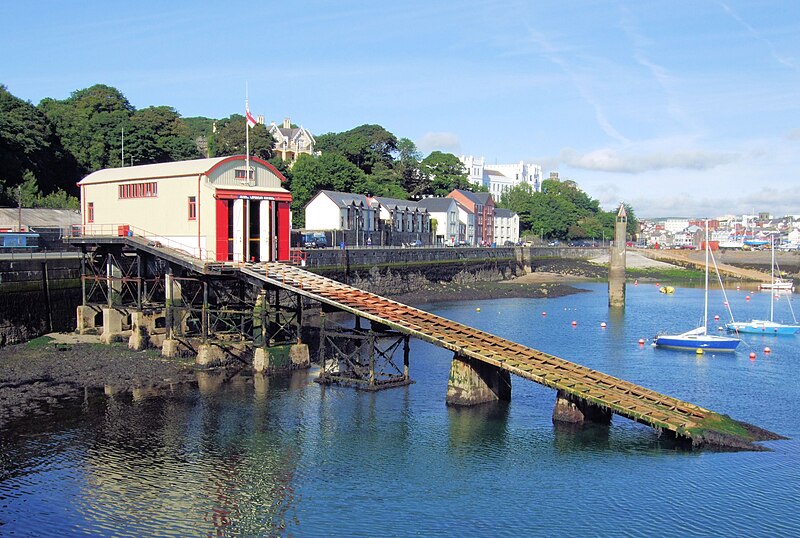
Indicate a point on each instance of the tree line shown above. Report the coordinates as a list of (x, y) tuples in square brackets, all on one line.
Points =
[(46, 149)]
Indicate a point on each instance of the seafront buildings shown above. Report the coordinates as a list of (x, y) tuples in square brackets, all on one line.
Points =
[(498, 178), (728, 231)]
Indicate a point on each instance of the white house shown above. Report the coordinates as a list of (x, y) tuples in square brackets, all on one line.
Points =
[(211, 208), (498, 178), (506, 226), (445, 212), (332, 210)]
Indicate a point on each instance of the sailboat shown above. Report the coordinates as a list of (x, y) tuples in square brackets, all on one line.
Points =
[(761, 326), (698, 339)]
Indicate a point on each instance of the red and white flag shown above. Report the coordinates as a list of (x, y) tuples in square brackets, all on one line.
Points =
[(251, 121)]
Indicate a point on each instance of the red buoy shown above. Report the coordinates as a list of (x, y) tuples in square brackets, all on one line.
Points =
[(574, 323), (603, 325), (747, 298), (767, 349), (752, 355), (641, 341), (544, 313), (716, 317)]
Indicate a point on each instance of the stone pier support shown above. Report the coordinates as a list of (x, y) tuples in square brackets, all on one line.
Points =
[(577, 411), (142, 326), (85, 318), (209, 355), (281, 358), (474, 382), (112, 325), (170, 348)]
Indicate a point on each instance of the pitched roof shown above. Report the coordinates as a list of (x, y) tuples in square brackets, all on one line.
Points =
[(38, 217), (436, 204), (193, 167), (503, 213), (484, 197), (400, 204), (344, 199)]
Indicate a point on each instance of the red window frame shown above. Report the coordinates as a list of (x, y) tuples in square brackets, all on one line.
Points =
[(192, 208), (90, 212)]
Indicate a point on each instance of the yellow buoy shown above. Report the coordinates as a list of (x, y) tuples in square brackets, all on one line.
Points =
[(477, 310), (699, 351)]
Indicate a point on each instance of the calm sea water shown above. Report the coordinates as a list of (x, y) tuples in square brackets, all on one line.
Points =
[(284, 456)]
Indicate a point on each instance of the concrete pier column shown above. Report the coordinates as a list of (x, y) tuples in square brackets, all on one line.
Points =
[(112, 325), (616, 265), (209, 355), (86, 316), (140, 331), (575, 410), (281, 358), (474, 382)]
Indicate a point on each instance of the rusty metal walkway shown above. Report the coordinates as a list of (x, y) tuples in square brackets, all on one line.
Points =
[(621, 397)]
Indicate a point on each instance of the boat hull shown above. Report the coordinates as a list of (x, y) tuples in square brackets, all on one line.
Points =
[(762, 327), (693, 342)]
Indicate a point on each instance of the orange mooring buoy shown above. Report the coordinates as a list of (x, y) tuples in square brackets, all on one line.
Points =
[(767, 349), (641, 341), (746, 297), (752, 355), (574, 323)]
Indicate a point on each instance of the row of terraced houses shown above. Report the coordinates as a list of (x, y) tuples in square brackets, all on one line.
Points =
[(460, 218)]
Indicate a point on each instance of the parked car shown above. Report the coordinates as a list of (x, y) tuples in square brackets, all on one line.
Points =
[(416, 243), (314, 240), (508, 244)]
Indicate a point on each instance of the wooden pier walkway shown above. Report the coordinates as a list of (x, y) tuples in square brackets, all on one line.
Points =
[(621, 397)]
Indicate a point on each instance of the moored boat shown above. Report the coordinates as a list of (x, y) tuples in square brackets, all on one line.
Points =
[(698, 339)]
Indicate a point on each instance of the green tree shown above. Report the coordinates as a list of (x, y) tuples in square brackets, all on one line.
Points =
[(407, 166), (441, 173), (365, 146), (231, 138), (90, 124), (28, 142), (159, 135)]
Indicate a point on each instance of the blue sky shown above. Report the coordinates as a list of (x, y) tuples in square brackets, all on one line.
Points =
[(680, 108)]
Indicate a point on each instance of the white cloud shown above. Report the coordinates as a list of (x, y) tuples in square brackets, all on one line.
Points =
[(447, 142), (611, 160)]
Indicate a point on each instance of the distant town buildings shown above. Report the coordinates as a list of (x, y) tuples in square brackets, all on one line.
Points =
[(729, 231), (498, 178)]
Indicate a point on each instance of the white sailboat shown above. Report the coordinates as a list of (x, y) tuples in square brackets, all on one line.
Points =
[(761, 326), (698, 338)]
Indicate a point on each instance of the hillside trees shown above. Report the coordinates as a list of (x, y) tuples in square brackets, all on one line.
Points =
[(29, 144), (562, 211), (231, 138)]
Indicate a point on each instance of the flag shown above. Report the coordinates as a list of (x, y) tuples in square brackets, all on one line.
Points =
[(251, 121)]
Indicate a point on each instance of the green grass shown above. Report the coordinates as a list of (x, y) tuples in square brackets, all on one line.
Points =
[(38, 343)]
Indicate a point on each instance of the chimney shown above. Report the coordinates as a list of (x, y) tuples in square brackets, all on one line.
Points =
[(286, 123)]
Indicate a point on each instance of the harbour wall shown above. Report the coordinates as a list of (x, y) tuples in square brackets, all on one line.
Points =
[(38, 296)]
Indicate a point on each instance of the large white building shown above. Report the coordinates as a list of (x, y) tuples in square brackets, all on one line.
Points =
[(499, 178), (211, 208)]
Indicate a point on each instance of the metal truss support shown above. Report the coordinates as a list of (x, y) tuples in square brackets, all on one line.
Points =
[(363, 358)]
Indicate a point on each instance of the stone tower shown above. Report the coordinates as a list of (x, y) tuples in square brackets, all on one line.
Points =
[(616, 265)]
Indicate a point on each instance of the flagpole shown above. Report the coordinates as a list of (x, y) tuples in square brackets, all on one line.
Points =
[(247, 135)]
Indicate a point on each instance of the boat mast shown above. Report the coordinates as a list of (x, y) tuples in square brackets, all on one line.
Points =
[(772, 277), (705, 303)]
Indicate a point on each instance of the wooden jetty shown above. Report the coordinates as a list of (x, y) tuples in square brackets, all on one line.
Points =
[(482, 362)]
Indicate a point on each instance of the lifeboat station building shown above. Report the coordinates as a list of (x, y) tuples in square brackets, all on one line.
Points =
[(214, 209)]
